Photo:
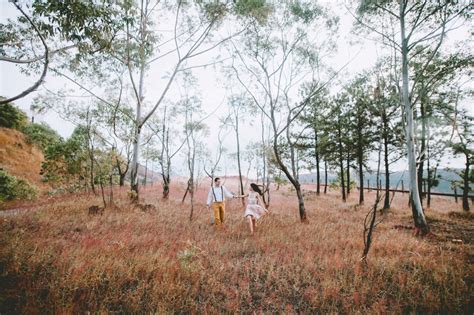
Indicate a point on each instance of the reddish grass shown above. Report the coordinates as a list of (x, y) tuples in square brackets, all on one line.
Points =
[(59, 259)]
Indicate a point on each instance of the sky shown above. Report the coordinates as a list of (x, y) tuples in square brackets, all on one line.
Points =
[(357, 52)]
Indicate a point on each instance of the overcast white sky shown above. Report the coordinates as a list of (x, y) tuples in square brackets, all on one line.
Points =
[(212, 92)]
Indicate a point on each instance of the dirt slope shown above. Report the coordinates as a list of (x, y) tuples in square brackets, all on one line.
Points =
[(20, 158)]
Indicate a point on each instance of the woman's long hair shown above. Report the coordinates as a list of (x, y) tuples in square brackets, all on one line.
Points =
[(256, 188)]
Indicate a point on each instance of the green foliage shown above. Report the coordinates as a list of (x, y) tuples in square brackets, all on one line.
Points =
[(280, 180), (336, 184), (65, 162), (78, 21), (304, 11), (12, 117), (257, 9), (41, 134), (12, 188)]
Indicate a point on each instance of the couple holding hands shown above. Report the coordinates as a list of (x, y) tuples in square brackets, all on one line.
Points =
[(253, 211)]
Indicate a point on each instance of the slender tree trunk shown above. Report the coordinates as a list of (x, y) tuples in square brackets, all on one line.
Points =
[(138, 129), (134, 168), (166, 186), (386, 203), (103, 193), (348, 174), (360, 160), (429, 180), (122, 179), (421, 164), (325, 176), (291, 178), (146, 172), (417, 209), (341, 162), (465, 201), (191, 195), (241, 187), (90, 147), (316, 153), (111, 197), (91, 158), (185, 192)]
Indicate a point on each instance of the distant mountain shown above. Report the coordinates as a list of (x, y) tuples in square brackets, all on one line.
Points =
[(396, 178)]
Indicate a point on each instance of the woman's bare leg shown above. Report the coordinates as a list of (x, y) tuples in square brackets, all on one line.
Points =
[(250, 219), (254, 223)]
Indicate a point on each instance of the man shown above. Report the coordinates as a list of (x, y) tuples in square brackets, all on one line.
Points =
[(216, 200)]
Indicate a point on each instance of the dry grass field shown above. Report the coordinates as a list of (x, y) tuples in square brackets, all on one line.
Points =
[(56, 258)]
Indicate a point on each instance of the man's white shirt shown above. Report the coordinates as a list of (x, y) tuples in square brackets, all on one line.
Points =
[(220, 194)]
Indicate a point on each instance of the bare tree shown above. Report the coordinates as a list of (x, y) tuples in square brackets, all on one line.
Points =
[(277, 58)]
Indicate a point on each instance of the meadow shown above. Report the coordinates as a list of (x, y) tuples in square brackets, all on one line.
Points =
[(56, 258)]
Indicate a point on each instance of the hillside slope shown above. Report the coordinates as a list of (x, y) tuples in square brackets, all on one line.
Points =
[(18, 157)]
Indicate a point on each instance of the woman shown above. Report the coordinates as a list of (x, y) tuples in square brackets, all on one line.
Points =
[(254, 210)]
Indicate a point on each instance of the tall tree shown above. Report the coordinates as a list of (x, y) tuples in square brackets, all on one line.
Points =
[(361, 122), (313, 118), (464, 145), (238, 105), (420, 23), (270, 62)]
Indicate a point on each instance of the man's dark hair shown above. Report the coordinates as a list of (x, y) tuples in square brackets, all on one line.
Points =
[(216, 179)]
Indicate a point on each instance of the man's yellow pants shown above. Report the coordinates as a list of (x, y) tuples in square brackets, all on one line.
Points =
[(219, 211)]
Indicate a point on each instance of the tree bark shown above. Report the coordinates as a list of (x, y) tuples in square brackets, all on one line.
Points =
[(238, 158), (348, 174), (386, 203), (360, 160), (341, 162), (316, 153), (325, 176), (421, 163), (417, 209), (465, 201)]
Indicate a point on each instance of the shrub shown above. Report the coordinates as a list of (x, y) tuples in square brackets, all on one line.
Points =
[(13, 188), (12, 117), (41, 134)]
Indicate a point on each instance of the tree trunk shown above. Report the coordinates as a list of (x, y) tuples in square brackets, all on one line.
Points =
[(122, 173), (138, 129), (386, 203), (103, 193), (90, 147), (417, 209), (301, 207), (465, 201), (134, 168), (91, 158), (348, 174), (360, 160), (122, 179), (421, 164), (238, 158), (166, 186), (291, 178), (325, 176), (146, 172), (341, 163), (316, 153), (191, 195), (429, 179)]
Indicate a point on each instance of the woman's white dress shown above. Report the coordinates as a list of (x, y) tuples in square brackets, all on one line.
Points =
[(253, 208)]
